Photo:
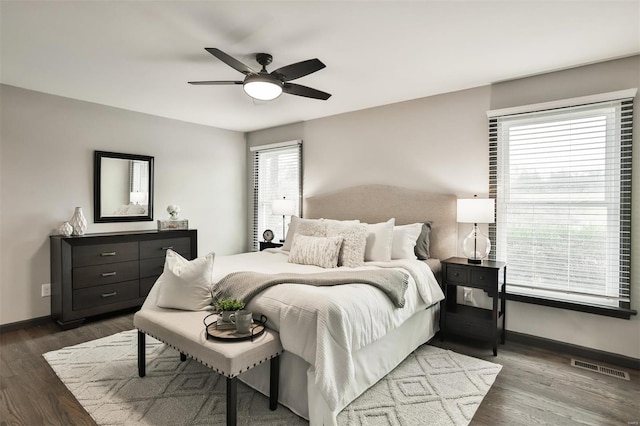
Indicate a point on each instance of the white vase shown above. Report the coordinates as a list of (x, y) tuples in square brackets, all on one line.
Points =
[(78, 222), (65, 229)]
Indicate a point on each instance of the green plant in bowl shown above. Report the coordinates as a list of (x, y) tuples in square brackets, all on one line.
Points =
[(227, 306)]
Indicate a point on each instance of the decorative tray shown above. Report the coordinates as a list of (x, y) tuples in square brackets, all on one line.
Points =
[(230, 335)]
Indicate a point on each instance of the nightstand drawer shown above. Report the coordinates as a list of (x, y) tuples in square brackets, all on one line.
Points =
[(457, 274), (485, 279)]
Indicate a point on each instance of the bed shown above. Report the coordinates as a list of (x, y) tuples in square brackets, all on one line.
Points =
[(340, 340), (299, 388)]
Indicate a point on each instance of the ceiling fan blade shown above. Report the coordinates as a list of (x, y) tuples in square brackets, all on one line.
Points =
[(231, 61), (218, 83), (307, 92), (299, 69)]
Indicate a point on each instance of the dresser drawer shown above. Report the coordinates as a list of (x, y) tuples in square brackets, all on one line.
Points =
[(151, 267), (457, 274), (484, 279), (146, 284), (89, 276), (93, 297), (158, 248), (101, 254)]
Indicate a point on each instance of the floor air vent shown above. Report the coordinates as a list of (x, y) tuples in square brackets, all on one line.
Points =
[(600, 369)]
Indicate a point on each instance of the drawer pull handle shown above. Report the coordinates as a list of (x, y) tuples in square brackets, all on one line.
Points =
[(108, 274), (108, 253), (455, 274), (167, 248), (105, 295), (481, 278)]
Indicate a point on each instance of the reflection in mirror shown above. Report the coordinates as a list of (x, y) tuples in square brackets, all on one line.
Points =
[(124, 187)]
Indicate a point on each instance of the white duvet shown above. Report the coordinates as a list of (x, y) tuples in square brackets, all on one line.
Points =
[(326, 325)]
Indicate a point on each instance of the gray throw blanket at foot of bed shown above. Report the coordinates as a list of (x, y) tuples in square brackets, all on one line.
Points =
[(245, 285)]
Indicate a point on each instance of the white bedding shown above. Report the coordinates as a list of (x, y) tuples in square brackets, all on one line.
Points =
[(325, 326)]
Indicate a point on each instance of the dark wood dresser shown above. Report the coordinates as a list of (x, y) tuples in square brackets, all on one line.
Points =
[(99, 273)]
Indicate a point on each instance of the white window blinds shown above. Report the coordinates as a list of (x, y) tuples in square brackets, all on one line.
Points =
[(562, 183), (277, 173)]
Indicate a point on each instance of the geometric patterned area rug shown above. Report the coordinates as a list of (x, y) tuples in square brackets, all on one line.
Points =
[(432, 386)]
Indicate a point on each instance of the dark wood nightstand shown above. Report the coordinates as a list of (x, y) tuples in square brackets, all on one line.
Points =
[(269, 244), (469, 320)]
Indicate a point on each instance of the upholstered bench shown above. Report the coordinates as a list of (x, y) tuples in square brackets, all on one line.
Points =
[(185, 332)]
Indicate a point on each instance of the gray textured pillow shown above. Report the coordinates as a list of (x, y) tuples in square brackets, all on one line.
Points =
[(317, 251), (355, 241), (422, 244)]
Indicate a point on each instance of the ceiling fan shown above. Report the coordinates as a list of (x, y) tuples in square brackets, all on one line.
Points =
[(266, 86)]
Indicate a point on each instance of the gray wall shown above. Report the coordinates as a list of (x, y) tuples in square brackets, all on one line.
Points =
[(46, 169), (440, 144)]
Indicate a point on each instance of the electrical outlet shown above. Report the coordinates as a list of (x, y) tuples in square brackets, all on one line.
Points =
[(46, 290)]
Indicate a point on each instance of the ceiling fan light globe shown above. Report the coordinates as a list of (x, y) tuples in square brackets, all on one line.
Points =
[(262, 89)]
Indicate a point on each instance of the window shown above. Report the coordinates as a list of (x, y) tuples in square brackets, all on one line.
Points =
[(277, 173), (561, 178)]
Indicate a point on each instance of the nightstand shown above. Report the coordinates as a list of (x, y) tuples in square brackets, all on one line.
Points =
[(489, 276), (269, 244)]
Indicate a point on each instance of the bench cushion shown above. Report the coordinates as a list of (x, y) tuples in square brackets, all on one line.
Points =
[(184, 331)]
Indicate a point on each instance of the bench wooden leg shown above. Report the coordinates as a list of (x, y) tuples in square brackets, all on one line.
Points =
[(183, 357), (141, 353), (274, 382), (232, 401)]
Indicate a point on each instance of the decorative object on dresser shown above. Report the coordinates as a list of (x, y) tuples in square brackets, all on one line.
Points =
[(65, 229), (283, 207), (470, 320), (173, 223), (78, 222), (123, 187), (476, 245), (100, 273)]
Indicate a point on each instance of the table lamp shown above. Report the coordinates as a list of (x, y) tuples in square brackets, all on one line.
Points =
[(476, 245), (283, 207)]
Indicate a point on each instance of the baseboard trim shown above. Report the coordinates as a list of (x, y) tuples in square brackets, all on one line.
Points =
[(13, 326), (580, 351)]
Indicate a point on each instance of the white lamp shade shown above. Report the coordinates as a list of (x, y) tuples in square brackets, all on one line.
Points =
[(476, 210), (262, 87), (283, 207)]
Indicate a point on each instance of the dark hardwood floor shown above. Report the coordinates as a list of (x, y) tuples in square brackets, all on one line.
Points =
[(535, 387)]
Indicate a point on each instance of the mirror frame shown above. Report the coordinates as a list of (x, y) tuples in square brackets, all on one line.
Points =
[(97, 197)]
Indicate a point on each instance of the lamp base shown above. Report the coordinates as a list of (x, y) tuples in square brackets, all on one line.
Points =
[(474, 261)]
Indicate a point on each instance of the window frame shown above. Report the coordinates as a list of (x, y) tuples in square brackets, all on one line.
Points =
[(255, 233), (625, 140)]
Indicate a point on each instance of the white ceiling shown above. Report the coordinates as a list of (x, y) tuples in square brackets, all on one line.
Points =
[(139, 55)]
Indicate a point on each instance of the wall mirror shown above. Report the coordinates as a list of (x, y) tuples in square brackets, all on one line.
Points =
[(123, 187)]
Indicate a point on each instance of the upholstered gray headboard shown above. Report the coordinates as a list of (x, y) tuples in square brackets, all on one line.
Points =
[(379, 203)]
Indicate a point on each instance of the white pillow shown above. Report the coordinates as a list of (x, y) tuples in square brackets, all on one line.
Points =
[(379, 239), (319, 251), (186, 284), (404, 241), (295, 223), (355, 241)]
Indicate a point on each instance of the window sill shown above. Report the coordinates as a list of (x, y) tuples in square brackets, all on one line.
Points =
[(614, 312)]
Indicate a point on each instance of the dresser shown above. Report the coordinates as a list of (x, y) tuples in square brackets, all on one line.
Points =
[(95, 274)]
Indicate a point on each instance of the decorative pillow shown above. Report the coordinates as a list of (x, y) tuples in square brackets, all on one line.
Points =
[(379, 239), (353, 246), (293, 229), (422, 244), (186, 284), (317, 251), (404, 241), (311, 228)]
